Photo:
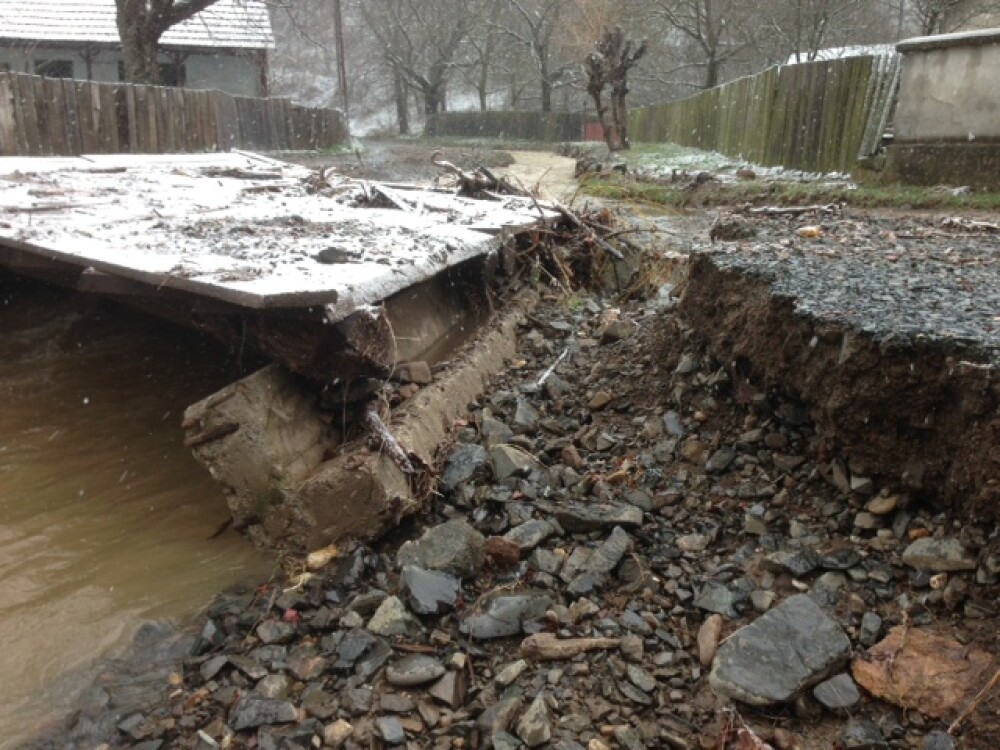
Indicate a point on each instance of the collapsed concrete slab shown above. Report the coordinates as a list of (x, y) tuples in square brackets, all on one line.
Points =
[(292, 479)]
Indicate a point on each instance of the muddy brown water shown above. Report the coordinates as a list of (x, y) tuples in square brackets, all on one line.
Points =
[(105, 517)]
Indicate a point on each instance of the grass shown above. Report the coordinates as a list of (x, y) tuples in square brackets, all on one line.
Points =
[(652, 192)]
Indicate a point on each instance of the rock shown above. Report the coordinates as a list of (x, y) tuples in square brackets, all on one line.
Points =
[(337, 733), (599, 401), (510, 672), (871, 628), (938, 555), (274, 686), (450, 689), (938, 741), (505, 741), (526, 416), (689, 364), (354, 643), (708, 639), (254, 711), (390, 730), (640, 678), (413, 670), (534, 727), (693, 543), (607, 556), (504, 615), (616, 330), (502, 553), (464, 463), (453, 547), (861, 734), (414, 372), (672, 424), (720, 460), (783, 652), (719, 598), (495, 432), (509, 461), (289, 738), (838, 694), (392, 618), (357, 701), (883, 505), (306, 664), (530, 534), (799, 563), (628, 738), (275, 631), (916, 669), (499, 717), (579, 519), (429, 592), (762, 600)]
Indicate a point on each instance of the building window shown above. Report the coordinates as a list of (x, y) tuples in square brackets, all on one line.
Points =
[(54, 68), (171, 74)]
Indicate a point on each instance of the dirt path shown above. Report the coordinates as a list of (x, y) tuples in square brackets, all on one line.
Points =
[(554, 174)]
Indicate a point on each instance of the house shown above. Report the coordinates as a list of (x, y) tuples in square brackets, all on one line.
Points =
[(224, 47)]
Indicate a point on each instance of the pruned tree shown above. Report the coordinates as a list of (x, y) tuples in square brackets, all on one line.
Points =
[(141, 23), (608, 67)]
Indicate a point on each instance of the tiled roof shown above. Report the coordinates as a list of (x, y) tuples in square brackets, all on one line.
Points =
[(241, 24)]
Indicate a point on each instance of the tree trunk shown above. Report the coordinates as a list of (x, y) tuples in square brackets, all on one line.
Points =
[(139, 48), (402, 108), (619, 110), (711, 72), (546, 94)]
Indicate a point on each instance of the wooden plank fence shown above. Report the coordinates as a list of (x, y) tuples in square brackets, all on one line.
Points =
[(818, 116), (61, 117)]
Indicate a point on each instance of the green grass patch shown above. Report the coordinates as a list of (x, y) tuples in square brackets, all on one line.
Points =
[(628, 189)]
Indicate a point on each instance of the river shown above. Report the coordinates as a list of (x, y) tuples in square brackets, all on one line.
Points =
[(105, 517)]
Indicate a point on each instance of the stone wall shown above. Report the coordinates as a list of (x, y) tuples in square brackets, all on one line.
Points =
[(948, 116)]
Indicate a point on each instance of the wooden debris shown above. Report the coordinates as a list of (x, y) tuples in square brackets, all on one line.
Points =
[(828, 208), (384, 439), (976, 702), (482, 182), (547, 647)]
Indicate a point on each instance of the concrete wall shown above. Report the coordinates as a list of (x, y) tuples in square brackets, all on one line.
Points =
[(233, 72), (947, 124)]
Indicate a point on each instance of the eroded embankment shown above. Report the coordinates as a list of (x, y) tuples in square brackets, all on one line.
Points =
[(915, 410)]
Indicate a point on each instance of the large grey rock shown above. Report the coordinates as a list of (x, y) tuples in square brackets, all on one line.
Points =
[(838, 694), (781, 653), (464, 462), (534, 727), (607, 556), (498, 717), (530, 534), (503, 616), (578, 519), (938, 555), (509, 461), (429, 592), (392, 618), (453, 547), (254, 711), (412, 670)]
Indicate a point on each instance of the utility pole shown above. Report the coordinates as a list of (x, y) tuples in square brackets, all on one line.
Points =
[(338, 28)]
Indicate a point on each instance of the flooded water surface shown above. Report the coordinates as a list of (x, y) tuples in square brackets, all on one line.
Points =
[(105, 517)]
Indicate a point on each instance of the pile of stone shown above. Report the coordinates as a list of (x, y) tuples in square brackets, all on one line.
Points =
[(623, 547)]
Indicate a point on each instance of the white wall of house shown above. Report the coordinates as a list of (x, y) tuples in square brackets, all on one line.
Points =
[(234, 72)]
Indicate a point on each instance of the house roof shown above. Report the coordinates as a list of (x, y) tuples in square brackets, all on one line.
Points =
[(239, 24), (839, 53)]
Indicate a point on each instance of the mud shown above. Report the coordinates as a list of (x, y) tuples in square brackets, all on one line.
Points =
[(922, 417)]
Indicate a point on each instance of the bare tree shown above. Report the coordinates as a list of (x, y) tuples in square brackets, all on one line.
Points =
[(608, 67), (141, 23), (533, 26), (709, 25)]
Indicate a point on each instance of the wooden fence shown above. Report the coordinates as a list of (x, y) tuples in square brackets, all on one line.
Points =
[(818, 117), (62, 117)]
